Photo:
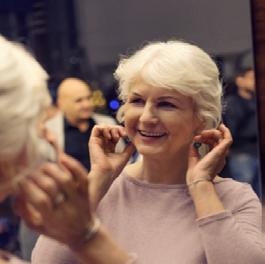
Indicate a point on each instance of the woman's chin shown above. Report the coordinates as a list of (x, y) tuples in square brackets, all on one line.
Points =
[(149, 152)]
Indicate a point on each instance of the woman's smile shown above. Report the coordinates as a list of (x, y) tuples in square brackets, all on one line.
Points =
[(152, 134), (149, 137)]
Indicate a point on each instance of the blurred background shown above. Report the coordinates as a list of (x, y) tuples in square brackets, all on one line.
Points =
[(85, 39)]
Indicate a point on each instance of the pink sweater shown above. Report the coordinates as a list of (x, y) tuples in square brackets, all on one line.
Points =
[(158, 223)]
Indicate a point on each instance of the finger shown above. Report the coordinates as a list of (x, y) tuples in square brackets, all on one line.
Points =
[(194, 156), (96, 137), (122, 131), (128, 151), (209, 142), (209, 137), (29, 213), (226, 134), (212, 135), (62, 176), (117, 132), (106, 132), (47, 184), (102, 136), (96, 131), (218, 153), (68, 186), (79, 173), (34, 195)]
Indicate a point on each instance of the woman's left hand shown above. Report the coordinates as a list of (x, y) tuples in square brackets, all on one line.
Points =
[(206, 168)]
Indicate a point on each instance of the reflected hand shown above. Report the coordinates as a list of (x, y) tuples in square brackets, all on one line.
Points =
[(205, 169), (54, 201)]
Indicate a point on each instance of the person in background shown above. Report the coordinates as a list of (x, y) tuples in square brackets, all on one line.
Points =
[(170, 206), (74, 124), (240, 116)]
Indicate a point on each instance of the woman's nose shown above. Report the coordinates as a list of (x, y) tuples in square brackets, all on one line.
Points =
[(148, 114)]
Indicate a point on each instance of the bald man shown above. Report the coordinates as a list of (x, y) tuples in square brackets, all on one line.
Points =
[(74, 124), (74, 99)]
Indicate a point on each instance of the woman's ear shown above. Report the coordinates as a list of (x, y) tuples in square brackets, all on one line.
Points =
[(120, 114), (51, 138), (199, 126)]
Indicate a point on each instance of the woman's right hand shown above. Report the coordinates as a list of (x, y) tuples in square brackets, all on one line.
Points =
[(106, 164), (102, 144)]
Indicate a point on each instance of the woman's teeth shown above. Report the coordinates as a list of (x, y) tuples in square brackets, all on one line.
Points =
[(151, 134)]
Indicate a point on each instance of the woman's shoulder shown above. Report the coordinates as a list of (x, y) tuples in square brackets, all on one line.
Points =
[(235, 194), (230, 183), (225, 185)]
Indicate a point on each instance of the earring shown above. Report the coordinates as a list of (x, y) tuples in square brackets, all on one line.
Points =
[(196, 145)]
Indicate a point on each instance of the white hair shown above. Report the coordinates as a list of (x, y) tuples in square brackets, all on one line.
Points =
[(23, 98), (176, 65)]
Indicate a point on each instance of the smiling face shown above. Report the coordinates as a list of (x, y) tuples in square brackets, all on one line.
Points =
[(159, 121)]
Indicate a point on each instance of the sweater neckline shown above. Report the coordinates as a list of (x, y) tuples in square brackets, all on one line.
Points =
[(149, 185)]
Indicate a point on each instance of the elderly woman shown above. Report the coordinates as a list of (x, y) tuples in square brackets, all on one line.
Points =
[(169, 207), (51, 190)]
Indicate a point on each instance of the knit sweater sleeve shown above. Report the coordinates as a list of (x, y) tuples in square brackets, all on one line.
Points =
[(234, 236)]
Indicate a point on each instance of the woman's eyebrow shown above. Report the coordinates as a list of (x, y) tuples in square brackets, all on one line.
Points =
[(169, 97), (135, 94)]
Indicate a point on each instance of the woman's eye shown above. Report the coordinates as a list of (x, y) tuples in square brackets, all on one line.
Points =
[(136, 101), (167, 105)]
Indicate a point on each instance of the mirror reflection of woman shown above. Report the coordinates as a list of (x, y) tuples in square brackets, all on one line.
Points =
[(50, 189), (170, 206)]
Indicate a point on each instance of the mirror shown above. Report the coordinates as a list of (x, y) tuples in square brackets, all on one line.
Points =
[(258, 24), (85, 38)]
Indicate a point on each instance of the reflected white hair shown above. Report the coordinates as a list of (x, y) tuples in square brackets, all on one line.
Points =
[(175, 65), (23, 98)]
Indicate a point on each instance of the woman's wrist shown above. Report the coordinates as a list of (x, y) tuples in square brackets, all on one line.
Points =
[(200, 184), (98, 187), (201, 188), (205, 198)]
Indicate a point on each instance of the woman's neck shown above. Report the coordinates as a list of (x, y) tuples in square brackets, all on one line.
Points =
[(163, 171)]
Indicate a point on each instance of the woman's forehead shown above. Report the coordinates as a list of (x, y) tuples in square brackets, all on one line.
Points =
[(144, 89)]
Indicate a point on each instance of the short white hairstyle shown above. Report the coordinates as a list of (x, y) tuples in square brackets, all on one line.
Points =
[(23, 98), (175, 65)]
